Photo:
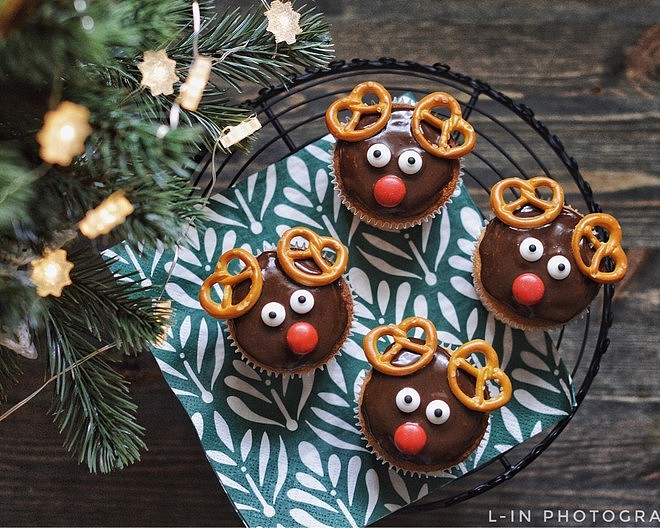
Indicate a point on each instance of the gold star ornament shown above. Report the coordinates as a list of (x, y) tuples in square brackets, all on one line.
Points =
[(63, 134), (50, 274), (158, 72), (283, 21)]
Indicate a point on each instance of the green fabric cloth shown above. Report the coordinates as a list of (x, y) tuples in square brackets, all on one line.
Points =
[(288, 451)]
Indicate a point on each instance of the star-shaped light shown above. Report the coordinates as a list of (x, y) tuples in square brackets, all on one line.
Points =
[(106, 216), (63, 134), (158, 72), (283, 21), (50, 274)]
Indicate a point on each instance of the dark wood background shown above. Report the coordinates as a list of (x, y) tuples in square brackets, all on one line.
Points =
[(589, 69)]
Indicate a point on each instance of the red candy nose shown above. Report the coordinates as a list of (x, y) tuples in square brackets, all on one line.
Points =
[(302, 338), (409, 438), (389, 191), (528, 289)]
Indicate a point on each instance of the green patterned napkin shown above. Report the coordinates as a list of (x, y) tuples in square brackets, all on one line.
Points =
[(287, 450)]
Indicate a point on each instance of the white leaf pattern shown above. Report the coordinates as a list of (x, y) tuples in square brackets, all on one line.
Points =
[(253, 422)]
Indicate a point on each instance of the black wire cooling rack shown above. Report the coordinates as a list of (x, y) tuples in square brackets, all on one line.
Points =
[(511, 142)]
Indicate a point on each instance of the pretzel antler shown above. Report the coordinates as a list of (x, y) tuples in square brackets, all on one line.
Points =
[(383, 362), (455, 123), (585, 229), (491, 370), (354, 103), (504, 210), (330, 271), (226, 309)]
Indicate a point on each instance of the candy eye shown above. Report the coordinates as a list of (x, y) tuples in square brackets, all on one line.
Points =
[(438, 412), (301, 301), (410, 162), (559, 267), (273, 314), (408, 400), (531, 249), (378, 155)]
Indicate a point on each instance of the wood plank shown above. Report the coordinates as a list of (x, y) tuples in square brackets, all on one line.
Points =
[(566, 60)]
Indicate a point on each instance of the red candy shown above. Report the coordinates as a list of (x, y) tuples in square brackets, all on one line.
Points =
[(528, 289), (389, 191), (410, 438), (302, 338)]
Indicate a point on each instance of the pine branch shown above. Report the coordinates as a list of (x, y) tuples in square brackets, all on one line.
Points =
[(10, 371), (16, 189), (246, 52), (91, 404)]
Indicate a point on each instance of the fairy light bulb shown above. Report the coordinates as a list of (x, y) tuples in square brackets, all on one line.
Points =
[(63, 134), (193, 89), (50, 274), (110, 213), (283, 22), (158, 72)]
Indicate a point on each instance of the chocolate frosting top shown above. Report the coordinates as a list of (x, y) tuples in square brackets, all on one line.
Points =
[(266, 346), (501, 263), (448, 443), (426, 190)]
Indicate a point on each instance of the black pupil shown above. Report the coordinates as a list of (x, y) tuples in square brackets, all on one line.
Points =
[(302, 299), (408, 399), (532, 248), (561, 267), (438, 413), (377, 153), (272, 315), (411, 160)]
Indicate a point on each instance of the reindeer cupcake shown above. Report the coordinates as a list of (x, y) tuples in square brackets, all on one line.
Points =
[(396, 165), (538, 263), (423, 408), (288, 311)]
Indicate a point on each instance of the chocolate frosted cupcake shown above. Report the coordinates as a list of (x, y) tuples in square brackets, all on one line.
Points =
[(288, 311), (538, 263), (396, 165), (422, 408)]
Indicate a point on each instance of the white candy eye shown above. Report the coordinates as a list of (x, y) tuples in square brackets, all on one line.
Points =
[(410, 161), (437, 412), (273, 314), (531, 249), (559, 267), (301, 301), (408, 400), (378, 155)]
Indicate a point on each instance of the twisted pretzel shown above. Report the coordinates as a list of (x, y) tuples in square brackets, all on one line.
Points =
[(225, 309), (354, 103), (455, 122), (478, 402), (288, 256), (504, 210), (611, 248), (383, 362)]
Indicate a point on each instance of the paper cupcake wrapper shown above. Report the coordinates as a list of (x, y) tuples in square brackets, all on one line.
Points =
[(287, 450)]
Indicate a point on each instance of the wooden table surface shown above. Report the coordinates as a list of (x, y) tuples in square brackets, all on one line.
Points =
[(589, 69)]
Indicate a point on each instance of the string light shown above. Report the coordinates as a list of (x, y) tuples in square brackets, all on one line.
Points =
[(158, 72), (110, 213), (193, 88), (50, 274), (283, 22), (164, 306), (63, 134), (232, 135)]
